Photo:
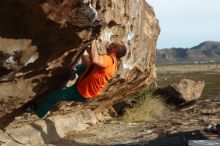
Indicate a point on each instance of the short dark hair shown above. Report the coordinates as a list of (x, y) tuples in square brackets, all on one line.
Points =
[(121, 49)]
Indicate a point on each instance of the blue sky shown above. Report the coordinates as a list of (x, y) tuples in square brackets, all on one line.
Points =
[(186, 23)]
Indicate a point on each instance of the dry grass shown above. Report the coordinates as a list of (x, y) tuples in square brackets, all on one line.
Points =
[(148, 108)]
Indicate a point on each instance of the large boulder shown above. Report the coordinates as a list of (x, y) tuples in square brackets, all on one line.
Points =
[(185, 90), (41, 41)]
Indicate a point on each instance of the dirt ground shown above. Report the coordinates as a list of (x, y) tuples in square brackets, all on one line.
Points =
[(194, 117)]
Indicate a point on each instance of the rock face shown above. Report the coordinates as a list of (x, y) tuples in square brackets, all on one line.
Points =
[(40, 41), (184, 91)]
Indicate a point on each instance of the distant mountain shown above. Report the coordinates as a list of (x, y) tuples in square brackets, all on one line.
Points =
[(206, 52)]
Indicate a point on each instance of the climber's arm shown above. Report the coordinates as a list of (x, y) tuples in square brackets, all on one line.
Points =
[(95, 58)]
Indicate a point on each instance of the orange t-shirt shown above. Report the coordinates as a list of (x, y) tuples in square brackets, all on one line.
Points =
[(94, 79)]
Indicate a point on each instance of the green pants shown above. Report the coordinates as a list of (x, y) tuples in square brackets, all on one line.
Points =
[(67, 94)]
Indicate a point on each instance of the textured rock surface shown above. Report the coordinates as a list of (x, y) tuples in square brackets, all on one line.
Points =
[(190, 90), (184, 91), (41, 39), (52, 129)]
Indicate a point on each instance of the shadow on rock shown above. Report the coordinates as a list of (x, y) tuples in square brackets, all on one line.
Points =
[(51, 136)]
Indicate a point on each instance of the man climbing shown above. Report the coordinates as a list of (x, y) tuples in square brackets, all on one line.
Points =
[(94, 74)]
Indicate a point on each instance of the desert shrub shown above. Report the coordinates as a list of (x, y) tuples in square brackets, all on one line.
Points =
[(147, 108)]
